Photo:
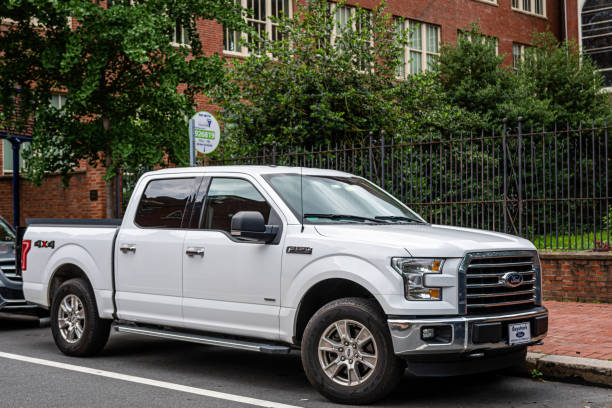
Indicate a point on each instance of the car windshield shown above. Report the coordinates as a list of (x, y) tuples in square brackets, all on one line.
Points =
[(332, 199), (6, 233)]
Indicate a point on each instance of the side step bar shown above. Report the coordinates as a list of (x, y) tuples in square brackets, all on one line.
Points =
[(208, 340)]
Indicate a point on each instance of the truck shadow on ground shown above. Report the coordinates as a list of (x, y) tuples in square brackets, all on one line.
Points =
[(278, 375)]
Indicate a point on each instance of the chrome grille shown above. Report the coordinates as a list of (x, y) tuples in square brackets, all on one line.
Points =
[(7, 266), (487, 291)]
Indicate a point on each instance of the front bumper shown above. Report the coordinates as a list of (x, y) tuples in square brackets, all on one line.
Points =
[(469, 335)]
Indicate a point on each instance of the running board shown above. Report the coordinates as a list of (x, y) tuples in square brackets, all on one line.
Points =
[(208, 340)]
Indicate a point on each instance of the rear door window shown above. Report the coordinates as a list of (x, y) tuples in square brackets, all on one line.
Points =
[(164, 203), (229, 196)]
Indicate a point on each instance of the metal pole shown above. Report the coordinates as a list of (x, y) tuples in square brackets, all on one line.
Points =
[(520, 176), (16, 144), (192, 158)]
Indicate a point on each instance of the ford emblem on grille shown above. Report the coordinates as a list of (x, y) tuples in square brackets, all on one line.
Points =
[(512, 279)]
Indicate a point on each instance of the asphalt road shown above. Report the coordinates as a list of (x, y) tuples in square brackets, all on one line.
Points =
[(145, 372)]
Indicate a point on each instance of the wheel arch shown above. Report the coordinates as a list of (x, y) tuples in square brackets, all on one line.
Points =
[(323, 292)]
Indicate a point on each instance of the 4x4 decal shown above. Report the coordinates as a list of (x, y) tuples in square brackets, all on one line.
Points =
[(44, 244)]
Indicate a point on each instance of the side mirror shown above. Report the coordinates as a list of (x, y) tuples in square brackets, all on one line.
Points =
[(251, 225)]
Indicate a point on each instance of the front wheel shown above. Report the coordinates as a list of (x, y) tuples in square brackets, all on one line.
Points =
[(347, 352), (76, 327)]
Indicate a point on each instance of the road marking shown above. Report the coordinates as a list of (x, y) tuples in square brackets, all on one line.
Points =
[(147, 381)]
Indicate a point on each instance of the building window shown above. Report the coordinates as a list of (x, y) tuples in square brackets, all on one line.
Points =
[(530, 6), (180, 35), (7, 156), (423, 46), (260, 19), (58, 101), (596, 18), (347, 18), (482, 38), (518, 53)]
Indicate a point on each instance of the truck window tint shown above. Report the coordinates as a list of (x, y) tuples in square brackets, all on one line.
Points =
[(163, 203), (6, 234), (228, 196)]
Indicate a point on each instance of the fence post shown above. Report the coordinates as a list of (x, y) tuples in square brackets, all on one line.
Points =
[(505, 166), (274, 153), (520, 176), (370, 155)]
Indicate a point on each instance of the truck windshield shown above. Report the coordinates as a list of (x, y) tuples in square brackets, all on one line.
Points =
[(6, 232), (332, 199)]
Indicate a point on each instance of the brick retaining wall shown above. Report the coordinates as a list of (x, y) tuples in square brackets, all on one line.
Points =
[(577, 277)]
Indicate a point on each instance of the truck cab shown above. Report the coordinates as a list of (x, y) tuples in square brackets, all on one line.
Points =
[(281, 259)]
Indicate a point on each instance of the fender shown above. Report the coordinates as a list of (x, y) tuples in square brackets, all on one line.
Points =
[(349, 267), (78, 256)]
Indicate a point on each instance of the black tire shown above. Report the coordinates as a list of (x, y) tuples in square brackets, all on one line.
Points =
[(95, 331), (387, 371)]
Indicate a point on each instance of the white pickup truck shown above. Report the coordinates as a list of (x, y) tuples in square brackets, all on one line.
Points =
[(274, 259)]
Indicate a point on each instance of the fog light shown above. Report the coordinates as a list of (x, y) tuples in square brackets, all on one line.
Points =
[(428, 333)]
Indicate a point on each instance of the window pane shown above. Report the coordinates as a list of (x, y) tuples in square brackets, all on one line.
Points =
[(6, 233), (516, 54), (431, 61), (163, 203), (432, 37), (415, 36), (527, 5), (415, 62), (398, 24), (515, 3), (539, 7), (7, 155), (230, 40), (229, 196), (343, 14)]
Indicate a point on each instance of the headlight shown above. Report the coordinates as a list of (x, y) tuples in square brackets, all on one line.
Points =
[(413, 270)]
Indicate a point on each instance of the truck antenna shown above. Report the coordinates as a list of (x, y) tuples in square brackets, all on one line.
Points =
[(302, 197)]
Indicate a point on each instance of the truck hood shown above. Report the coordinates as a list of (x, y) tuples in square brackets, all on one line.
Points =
[(426, 240)]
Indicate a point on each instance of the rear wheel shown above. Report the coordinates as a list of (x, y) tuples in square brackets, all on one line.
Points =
[(76, 327), (347, 352)]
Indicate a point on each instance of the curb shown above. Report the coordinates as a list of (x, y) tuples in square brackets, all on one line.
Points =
[(589, 370)]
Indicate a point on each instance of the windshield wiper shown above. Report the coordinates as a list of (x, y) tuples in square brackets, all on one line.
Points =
[(397, 218), (345, 217)]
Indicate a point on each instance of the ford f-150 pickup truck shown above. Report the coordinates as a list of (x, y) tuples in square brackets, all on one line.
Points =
[(275, 259)]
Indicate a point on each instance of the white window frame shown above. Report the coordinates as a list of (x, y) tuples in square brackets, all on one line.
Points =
[(243, 50), (522, 48), (519, 5), (483, 38), (408, 50), (352, 10), (184, 40), (8, 148)]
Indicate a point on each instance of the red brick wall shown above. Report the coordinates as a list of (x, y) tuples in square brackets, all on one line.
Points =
[(51, 200), (577, 277)]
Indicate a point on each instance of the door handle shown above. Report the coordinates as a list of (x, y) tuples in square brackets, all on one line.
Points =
[(195, 251), (128, 248)]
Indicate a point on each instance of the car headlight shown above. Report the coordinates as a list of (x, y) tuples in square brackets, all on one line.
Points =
[(413, 270)]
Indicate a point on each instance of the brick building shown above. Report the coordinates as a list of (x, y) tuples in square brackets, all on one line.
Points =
[(509, 23)]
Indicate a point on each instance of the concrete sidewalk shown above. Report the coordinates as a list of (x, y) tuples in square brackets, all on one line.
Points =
[(578, 344)]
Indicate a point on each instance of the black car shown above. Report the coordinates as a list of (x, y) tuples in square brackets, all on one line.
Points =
[(11, 293)]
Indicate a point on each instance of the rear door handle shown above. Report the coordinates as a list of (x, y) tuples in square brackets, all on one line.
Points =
[(125, 248), (195, 251)]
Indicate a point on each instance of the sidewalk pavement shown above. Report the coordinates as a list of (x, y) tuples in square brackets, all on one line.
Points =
[(578, 344)]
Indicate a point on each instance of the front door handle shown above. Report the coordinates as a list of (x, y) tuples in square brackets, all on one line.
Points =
[(195, 251), (128, 248)]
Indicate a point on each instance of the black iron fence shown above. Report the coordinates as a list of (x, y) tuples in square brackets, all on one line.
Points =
[(551, 186)]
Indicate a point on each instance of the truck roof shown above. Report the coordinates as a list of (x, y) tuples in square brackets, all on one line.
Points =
[(253, 170)]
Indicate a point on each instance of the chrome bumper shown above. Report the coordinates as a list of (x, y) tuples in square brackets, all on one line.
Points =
[(407, 341)]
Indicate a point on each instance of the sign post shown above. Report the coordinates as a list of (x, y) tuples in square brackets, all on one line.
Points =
[(204, 135)]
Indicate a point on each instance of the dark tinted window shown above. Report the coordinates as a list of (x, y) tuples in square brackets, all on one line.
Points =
[(6, 233), (228, 196), (163, 203)]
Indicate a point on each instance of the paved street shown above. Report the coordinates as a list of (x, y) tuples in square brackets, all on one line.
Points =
[(143, 372)]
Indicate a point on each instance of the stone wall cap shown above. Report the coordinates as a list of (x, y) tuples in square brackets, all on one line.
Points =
[(582, 255)]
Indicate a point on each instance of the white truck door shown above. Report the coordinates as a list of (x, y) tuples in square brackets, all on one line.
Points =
[(229, 285), (149, 252)]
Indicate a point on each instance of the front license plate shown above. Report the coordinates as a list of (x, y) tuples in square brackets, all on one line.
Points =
[(519, 333)]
